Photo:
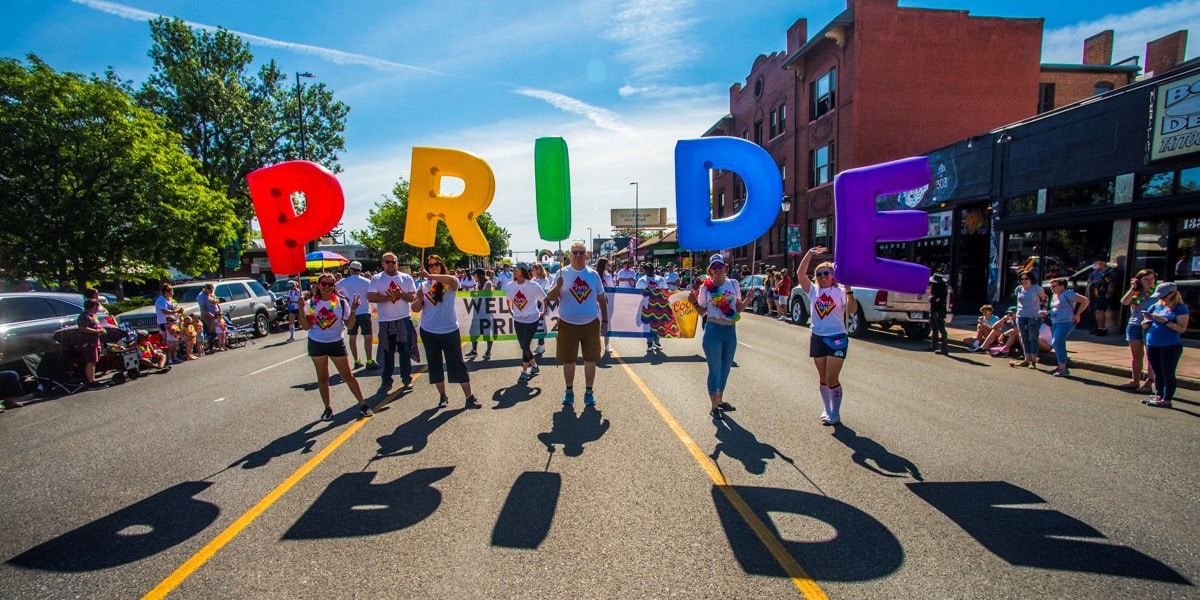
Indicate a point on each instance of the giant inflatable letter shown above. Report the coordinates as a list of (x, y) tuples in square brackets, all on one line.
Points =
[(284, 232), (858, 227), (552, 174), (693, 199), (426, 205)]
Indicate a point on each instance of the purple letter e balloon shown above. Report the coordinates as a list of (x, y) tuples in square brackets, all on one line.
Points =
[(859, 227)]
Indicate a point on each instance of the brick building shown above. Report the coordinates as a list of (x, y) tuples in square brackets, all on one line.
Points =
[(1062, 84), (877, 83)]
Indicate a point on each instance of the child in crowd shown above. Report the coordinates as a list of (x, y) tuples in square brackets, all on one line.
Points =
[(189, 338), (172, 337), (150, 357), (1003, 331), (983, 327), (221, 330)]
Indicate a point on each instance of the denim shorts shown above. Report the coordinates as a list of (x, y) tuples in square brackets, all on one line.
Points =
[(1135, 333)]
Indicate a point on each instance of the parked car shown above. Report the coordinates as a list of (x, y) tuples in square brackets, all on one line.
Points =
[(759, 282), (877, 307), (245, 300), (28, 321)]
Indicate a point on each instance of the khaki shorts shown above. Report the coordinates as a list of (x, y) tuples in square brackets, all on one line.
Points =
[(571, 337)]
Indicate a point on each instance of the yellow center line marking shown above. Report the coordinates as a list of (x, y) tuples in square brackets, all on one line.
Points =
[(199, 558), (799, 577)]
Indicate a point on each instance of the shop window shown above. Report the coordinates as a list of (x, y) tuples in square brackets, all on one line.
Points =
[(1021, 255), (1045, 97), (1189, 180), (1070, 253), (782, 118), (821, 165), (818, 232), (1156, 185), (933, 253), (1150, 247), (892, 250), (1023, 204), (1102, 87), (823, 91), (758, 132), (721, 205), (1096, 193)]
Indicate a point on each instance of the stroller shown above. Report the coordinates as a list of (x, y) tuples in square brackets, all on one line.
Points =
[(235, 336), (117, 353), (51, 375)]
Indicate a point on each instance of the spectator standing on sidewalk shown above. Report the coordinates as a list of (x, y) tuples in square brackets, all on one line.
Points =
[(1165, 323), (829, 303), (1101, 288), (89, 341), (294, 297), (349, 287), (1030, 299), (938, 293), (1139, 298), (782, 290), (392, 290), (1065, 309)]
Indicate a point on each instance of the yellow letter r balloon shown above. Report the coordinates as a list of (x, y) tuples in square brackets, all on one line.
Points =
[(426, 205)]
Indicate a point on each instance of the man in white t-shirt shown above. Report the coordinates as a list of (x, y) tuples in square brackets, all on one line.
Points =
[(582, 319), (392, 290), (348, 288), (649, 283), (672, 278), (626, 277), (504, 276)]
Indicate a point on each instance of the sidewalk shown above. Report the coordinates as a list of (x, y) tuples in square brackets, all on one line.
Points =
[(1108, 354)]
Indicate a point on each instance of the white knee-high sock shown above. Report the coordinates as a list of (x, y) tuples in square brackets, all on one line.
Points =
[(826, 401), (835, 402)]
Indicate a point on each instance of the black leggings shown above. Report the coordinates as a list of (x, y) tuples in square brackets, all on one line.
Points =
[(937, 324), (449, 346), (1163, 360), (525, 333)]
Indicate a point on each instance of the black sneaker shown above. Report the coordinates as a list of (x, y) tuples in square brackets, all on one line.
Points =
[(385, 386), (470, 354), (96, 385), (327, 415), (727, 407), (472, 403), (716, 413), (443, 401), (366, 410)]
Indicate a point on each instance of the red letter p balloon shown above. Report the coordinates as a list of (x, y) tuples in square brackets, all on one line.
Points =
[(284, 232)]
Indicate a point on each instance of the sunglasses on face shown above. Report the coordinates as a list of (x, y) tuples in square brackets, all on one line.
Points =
[(824, 273), (389, 262), (327, 284), (578, 252)]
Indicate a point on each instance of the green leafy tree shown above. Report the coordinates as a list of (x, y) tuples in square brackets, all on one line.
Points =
[(95, 187), (232, 122), (385, 232)]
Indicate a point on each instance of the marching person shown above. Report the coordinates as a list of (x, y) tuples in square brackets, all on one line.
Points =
[(606, 277), (483, 283), (626, 277), (439, 330), (293, 308), (582, 319), (651, 284), (524, 297), (392, 290), (829, 304), (541, 278), (349, 287), (1165, 322), (718, 300), (325, 316)]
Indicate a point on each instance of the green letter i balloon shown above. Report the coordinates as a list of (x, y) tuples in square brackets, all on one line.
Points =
[(552, 172)]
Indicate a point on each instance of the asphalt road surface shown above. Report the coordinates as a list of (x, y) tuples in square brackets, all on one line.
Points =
[(952, 477)]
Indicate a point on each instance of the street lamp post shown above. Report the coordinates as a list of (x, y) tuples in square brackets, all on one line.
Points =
[(311, 246), (636, 220), (590, 249), (786, 206)]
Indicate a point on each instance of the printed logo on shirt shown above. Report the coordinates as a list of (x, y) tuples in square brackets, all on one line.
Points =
[(520, 301), (393, 286), (324, 318), (434, 292), (580, 290), (824, 305)]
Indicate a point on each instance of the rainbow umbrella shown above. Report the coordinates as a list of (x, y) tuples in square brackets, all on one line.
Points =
[(324, 259)]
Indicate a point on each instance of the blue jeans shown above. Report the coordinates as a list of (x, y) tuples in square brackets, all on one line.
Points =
[(1163, 361), (1061, 331), (1029, 327), (720, 343)]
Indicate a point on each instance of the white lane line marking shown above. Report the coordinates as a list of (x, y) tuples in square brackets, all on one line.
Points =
[(746, 345), (218, 400), (275, 365)]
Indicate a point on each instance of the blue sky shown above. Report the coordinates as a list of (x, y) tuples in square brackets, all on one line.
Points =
[(620, 80)]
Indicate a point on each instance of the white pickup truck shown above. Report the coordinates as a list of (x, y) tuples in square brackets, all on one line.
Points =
[(877, 307)]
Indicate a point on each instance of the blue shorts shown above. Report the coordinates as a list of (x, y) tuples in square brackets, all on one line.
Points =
[(828, 345), (1135, 333)]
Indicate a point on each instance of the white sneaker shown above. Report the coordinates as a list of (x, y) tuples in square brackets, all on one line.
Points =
[(658, 346), (539, 350), (607, 349)]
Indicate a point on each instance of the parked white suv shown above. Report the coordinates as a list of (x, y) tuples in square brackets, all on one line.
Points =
[(878, 307), (245, 300)]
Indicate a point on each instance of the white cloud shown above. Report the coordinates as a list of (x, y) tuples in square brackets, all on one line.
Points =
[(1132, 32), (602, 117), (654, 36), (334, 56)]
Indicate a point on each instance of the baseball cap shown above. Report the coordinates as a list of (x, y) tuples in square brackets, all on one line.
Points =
[(716, 259), (1164, 288), (357, 266), (1012, 309)]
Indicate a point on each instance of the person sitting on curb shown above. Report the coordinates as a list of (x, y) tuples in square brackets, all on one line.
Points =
[(983, 328)]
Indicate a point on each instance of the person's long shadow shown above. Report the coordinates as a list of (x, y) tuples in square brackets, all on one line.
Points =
[(867, 450), (738, 443), (571, 432), (302, 439), (511, 396), (413, 436), (311, 386)]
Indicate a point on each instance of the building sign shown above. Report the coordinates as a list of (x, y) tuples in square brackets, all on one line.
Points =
[(941, 224), (943, 180), (795, 242), (645, 217), (1176, 119)]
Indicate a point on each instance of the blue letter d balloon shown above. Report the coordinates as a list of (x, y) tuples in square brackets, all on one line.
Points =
[(693, 199), (858, 227)]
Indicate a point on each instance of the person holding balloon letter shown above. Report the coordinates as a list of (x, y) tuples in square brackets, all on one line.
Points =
[(718, 298), (829, 303)]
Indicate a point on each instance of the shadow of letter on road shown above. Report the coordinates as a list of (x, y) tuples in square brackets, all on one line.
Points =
[(863, 548), (137, 531), (525, 520), (1031, 537), (352, 506)]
